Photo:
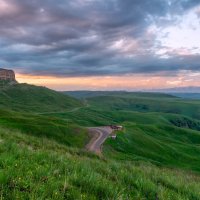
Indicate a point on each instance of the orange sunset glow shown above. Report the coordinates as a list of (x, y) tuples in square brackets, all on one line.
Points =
[(128, 82)]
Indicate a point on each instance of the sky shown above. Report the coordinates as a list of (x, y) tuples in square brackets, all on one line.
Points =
[(102, 44)]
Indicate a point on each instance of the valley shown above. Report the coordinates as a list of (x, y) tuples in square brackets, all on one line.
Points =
[(47, 151)]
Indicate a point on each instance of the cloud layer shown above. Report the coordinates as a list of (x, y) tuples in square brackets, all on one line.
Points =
[(73, 38)]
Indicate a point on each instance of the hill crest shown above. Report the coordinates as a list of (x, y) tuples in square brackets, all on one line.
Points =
[(30, 98)]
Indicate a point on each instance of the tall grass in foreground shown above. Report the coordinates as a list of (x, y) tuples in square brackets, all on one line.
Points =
[(36, 168)]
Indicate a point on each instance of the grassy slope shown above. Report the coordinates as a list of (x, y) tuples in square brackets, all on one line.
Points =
[(88, 94), (154, 133), (161, 144), (40, 166), (53, 128), (160, 136), (29, 98), (147, 104), (187, 95), (164, 130), (150, 137), (31, 168)]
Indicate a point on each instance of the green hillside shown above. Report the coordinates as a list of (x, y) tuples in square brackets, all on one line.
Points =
[(33, 168), (87, 94), (42, 151), (153, 131), (147, 104), (187, 95), (154, 137), (29, 98), (161, 144), (65, 133)]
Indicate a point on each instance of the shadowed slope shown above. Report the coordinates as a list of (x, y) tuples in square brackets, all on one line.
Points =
[(29, 98)]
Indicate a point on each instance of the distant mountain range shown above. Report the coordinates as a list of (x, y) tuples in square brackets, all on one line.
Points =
[(183, 92), (178, 90)]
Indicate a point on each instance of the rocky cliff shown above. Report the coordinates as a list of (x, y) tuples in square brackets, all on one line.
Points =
[(7, 75)]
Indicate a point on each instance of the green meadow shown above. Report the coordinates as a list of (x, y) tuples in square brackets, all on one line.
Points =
[(39, 168), (43, 134)]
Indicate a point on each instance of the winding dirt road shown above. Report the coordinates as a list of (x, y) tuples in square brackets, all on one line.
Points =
[(100, 134)]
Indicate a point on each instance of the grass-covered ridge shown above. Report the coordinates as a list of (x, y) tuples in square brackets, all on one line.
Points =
[(30, 98), (154, 137), (42, 153), (147, 104), (69, 134), (163, 145), (33, 168), (156, 134)]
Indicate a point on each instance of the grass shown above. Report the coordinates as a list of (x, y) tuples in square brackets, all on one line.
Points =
[(43, 169), (88, 94), (162, 145), (62, 131), (144, 104), (163, 139), (43, 134), (93, 116), (156, 137), (29, 98)]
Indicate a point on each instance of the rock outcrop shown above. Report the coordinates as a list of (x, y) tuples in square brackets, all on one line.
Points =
[(7, 75)]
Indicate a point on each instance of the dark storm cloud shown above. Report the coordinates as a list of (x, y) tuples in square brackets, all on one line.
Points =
[(187, 4), (83, 37)]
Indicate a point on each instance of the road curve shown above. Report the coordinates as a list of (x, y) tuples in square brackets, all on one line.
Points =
[(100, 134)]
